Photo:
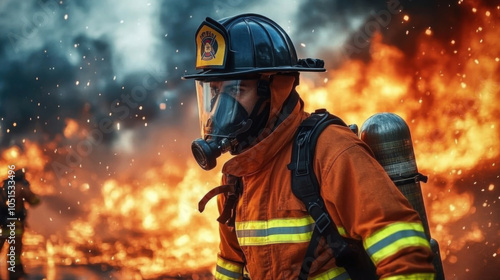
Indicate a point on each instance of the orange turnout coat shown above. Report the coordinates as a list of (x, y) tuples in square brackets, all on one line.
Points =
[(272, 228)]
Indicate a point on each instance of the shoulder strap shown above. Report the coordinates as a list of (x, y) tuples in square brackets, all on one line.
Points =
[(303, 151), (305, 186)]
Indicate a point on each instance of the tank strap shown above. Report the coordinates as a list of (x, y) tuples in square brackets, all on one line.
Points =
[(414, 178)]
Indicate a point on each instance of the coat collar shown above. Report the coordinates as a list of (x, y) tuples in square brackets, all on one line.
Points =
[(255, 158)]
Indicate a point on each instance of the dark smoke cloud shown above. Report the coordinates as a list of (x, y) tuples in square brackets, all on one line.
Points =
[(80, 60), (348, 27), (58, 63), (75, 59)]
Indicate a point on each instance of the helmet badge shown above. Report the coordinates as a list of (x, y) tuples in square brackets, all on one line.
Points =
[(210, 47)]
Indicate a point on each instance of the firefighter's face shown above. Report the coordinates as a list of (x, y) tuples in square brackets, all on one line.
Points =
[(244, 91), (225, 108)]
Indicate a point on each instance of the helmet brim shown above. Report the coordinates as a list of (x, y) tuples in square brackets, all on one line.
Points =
[(218, 73)]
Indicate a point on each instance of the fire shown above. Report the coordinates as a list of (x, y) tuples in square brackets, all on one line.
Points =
[(144, 217), (436, 101), (71, 128), (149, 221), (449, 96), (31, 157), (152, 224)]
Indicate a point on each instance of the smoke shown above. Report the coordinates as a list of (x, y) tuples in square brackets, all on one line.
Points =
[(119, 65), (79, 60), (114, 70), (342, 30), (86, 60), (70, 60)]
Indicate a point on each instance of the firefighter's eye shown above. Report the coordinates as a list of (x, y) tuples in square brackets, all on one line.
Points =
[(234, 91)]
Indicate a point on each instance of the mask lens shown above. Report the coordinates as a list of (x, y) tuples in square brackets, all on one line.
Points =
[(223, 105)]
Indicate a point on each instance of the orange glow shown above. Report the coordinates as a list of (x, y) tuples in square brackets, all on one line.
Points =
[(450, 101), (161, 212), (71, 128), (144, 217)]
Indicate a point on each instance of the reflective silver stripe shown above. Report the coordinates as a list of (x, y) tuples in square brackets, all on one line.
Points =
[(227, 270), (227, 273), (387, 241), (394, 237), (271, 231), (275, 231)]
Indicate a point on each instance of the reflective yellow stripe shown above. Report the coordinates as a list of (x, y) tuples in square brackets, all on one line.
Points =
[(275, 223), (342, 231), (276, 231), (394, 237), (275, 239), (289, 230), (336, 273), (416, 276), (226, 270)]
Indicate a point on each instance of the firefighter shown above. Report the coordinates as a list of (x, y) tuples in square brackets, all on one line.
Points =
[(12, 230), (248, 106)]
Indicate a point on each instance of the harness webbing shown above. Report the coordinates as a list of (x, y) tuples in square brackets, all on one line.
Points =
[(348, 253)]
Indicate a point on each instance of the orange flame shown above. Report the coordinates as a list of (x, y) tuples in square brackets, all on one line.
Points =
[(448, 94), (71, 128)]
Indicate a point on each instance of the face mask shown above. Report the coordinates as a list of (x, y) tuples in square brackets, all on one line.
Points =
[(222, 117)]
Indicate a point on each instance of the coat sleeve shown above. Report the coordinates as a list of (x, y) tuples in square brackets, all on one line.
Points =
[(230, 260), (363, 201)]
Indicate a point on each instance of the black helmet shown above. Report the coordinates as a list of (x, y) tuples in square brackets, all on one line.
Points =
[(246, 44)]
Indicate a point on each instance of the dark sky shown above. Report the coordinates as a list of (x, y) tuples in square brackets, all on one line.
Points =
[(67, 59), (121, 61)]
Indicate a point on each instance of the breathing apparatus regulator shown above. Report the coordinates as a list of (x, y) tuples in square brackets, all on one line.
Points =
[(227, 125), (238, 57)]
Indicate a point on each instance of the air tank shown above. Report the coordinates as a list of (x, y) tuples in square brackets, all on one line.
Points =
[(389, 138)]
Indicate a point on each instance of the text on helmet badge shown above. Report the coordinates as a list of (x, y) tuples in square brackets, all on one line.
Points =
[(209, 46)]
